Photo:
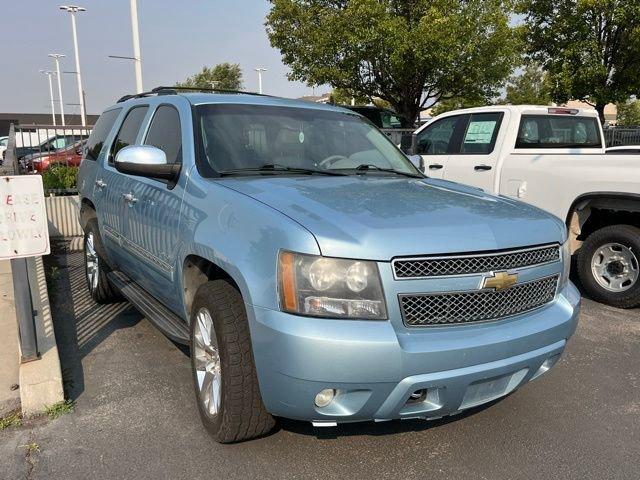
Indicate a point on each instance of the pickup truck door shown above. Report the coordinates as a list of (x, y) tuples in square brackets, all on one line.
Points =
[(154, 215), (111, 187), (435, 142), (475, 158)]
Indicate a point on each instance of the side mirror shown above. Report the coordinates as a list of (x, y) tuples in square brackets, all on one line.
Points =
[(417, 162), (145, 161)]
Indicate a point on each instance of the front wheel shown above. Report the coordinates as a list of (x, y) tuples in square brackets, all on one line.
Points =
[(96, 268), (609, 265), (224, 373)]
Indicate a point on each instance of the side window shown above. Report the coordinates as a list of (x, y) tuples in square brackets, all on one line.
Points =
[(437, 137), (481, 134), (549, 131), (100, 132), (128, 131), (165, 134)]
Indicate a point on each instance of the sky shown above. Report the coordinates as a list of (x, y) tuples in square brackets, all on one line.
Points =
[(177, 38)]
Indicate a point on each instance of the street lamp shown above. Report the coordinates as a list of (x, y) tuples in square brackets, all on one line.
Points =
[(72, 10), (260, 70), (137, 60), (56, 58), (49, 73)]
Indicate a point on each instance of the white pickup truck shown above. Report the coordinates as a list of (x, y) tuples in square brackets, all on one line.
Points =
[(553, 158)]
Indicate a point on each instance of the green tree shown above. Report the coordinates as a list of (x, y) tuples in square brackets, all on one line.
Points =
[(590, 48), (457, 103), (407, 52), (224, 76), (629, 113), (340, 96), (531, 87)]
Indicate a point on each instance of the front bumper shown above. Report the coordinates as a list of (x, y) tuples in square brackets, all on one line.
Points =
[(375, 366)]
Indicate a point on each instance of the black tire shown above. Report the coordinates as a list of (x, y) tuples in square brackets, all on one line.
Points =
[(626, 235), (100, 289), (241, 415)]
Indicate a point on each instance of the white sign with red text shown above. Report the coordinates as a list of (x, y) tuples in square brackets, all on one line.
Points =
[(23, 217)]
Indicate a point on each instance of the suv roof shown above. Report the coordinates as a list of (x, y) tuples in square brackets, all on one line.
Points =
[(530, 109)]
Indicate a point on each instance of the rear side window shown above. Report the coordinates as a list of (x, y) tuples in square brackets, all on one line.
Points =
[(165, 134), (128, 131), (548, 131), (482, 131), (100, 132), (437, 138)]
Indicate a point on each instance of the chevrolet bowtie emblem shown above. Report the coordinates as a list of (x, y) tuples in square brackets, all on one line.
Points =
[(500, 281)]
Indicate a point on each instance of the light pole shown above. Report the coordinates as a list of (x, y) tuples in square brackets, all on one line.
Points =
[(260, 70), (48, 73), (137, 60), (56, 58), (73, 9)]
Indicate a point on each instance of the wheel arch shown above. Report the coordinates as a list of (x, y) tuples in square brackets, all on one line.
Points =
[(87, 212), (594, 210)]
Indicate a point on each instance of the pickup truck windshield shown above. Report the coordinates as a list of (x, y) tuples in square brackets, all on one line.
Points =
[(252, 139)]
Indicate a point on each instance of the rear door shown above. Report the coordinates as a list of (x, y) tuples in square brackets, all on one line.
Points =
[(111, 186), (435, 143), (475, 151)]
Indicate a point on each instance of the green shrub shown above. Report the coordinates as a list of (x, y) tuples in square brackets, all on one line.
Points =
[(60, 177)]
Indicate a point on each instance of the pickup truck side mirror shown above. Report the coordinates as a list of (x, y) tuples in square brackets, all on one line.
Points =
[(146, 161), (417, 162)]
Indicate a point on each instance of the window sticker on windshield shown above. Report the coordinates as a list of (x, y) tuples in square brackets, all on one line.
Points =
[(301, 137), (480, 131)]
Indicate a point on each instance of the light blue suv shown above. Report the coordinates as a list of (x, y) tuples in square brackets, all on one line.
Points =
[(314, 271)]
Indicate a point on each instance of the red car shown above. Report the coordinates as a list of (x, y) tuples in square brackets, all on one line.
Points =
[(69, 156)]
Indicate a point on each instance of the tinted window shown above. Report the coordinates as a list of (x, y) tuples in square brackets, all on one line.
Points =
[(548, 131), (165, 134), (482, 131), (128, 131), (437, 137), (99, 133)]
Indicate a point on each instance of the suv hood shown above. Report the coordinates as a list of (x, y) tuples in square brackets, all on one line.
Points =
[(377, 218)]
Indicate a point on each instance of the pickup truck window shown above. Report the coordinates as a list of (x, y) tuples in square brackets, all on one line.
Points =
[(165, 133), (437, 137), (242, 138), (128, 131), (549, 131), (481, 134), (99, 133)]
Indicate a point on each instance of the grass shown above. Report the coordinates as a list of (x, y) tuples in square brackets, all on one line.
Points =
[(32, 447), (12, 420), (58, 409)]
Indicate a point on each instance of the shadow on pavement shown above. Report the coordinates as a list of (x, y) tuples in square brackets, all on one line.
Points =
[(80, 324)]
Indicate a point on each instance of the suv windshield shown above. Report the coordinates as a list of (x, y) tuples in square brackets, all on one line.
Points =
[(253, 139)]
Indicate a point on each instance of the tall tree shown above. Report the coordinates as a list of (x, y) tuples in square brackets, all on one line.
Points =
[(530, 87), (407, 52), (457, 103), (224, 76), (591, 48), (629, 113)]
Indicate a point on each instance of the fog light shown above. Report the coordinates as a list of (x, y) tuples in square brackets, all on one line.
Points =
[(325, 397), (547, 365)]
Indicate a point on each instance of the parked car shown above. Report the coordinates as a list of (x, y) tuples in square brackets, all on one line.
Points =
[(51, 144), (71, 155), (553, 158), (380, 117), (315, 273), (4, 141)]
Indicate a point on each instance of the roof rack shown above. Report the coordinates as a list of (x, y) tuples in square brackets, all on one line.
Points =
[(176, 90)]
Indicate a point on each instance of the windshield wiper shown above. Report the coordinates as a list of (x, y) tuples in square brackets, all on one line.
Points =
[(367, 166), (277, 168)]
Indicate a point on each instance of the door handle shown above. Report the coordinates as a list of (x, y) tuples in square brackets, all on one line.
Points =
[(480, 168), (435, 166), (129, 198), (100, 183)]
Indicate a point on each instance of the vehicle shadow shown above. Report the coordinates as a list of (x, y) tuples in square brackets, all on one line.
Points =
[(80, 324)]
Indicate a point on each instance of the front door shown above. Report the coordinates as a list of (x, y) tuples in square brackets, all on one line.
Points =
[(434, 143)]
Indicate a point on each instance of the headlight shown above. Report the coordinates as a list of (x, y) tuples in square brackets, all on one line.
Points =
[(565, 256), (330, 287)]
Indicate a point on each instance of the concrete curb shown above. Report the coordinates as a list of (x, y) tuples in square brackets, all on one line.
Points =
[(41, 380), (9, 349)]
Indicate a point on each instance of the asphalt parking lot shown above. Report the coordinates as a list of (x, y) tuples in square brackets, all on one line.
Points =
[(135, 414)]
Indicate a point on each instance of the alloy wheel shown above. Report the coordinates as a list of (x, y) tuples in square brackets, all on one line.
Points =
[(92, 262), (207, 362)]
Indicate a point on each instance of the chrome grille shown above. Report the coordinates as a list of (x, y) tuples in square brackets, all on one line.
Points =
[(477, 306), (470, 264)]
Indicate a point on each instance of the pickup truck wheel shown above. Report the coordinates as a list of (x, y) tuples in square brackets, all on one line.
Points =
[(224, 373), (96, 269), (609, 265)]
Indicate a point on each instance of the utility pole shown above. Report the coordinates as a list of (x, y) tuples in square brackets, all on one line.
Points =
[(260, 70), (49, 73), (56, 57), (73, 9)]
